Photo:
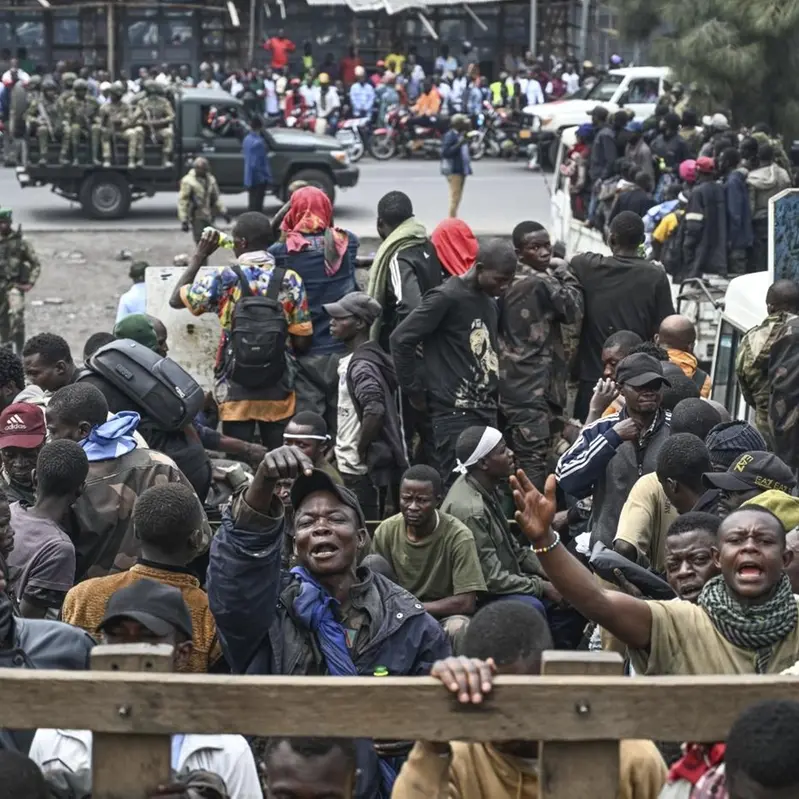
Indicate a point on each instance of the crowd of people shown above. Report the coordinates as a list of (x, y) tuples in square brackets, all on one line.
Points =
[(484, 452), (86, 105), (703, 191)]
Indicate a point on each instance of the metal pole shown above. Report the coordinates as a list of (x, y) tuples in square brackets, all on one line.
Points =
[(251, 41), (111, 36), (584, 20), (534, 27)]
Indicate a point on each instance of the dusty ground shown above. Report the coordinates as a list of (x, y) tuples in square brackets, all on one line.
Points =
[(82, 277)]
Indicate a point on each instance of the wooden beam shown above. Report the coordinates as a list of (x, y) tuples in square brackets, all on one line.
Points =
[(535, 708), (127, 765), (587, 768)]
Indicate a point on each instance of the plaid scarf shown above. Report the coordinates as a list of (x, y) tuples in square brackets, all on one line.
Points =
[(755, 627)]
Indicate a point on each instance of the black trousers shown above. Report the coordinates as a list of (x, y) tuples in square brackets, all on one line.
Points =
[(271, 432), (256, 197)]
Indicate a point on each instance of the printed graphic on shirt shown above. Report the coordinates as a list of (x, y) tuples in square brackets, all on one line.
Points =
[(484, 368)]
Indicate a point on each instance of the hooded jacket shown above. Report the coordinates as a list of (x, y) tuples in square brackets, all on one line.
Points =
[(763, 184), (372, 385), (252, 600), (739, 214)]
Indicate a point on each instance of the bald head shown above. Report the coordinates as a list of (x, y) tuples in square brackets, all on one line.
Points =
[(677, 333), (783, 296)]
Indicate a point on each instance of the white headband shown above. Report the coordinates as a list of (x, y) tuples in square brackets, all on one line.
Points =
[(298, 436), (488, 441)]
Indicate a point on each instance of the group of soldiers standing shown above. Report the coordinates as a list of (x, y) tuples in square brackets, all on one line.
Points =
[(74, 116)]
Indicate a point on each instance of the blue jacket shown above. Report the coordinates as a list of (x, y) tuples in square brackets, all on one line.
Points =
[(256, 163), (452, 148), (320, 287), (739, 214), (252, 600), (600, 463)]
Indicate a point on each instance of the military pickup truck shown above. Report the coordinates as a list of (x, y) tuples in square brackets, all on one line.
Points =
[(106, 193)]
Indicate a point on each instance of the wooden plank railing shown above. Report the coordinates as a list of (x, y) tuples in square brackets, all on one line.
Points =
[(578, 719)]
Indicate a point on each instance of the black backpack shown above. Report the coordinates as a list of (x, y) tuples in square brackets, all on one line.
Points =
[(163, 389), (256, 349)]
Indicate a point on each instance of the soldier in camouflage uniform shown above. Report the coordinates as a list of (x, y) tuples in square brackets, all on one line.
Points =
[(43, 118), (80, 120), (752, 362), (67, 92), (19, 270), (115, 124), (153, 117), (533, 366), (199, 201), (762, 136)]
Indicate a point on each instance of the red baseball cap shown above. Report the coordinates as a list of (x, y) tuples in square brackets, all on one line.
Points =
[(22, 425), (705, 164)]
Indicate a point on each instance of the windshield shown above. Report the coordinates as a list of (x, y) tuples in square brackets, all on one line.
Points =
[(580, 94), (604, 90)]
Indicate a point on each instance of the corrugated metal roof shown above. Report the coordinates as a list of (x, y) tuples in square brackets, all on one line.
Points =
[(393, 6)]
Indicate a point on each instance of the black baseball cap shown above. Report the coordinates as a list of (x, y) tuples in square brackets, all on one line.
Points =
[(755, 469), (158, 607), (599, 112), (318, 480), (639, 369), (357, 304)]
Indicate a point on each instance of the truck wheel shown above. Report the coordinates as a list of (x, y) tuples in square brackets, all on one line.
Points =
[(105, 195), (318, 178)]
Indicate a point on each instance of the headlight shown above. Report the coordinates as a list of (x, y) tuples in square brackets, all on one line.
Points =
[(342, 156), (536, 123)]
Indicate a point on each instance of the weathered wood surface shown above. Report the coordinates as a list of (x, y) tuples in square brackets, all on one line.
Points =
[(538, 708), (123, 766), (586, 768)]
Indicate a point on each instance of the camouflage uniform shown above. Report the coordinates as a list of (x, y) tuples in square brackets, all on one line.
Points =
[(115, 119), (533, 366), (19, 270), (783, 384), (751, 367), (153, 118), (780, 158), (44, 119), (199, 202), (68, 81), (104, 539), (80, 115)]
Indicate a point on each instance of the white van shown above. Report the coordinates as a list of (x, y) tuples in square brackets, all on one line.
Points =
[(744, 307), (635, 88)]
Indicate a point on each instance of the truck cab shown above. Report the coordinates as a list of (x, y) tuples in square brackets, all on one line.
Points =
[(106, 193)]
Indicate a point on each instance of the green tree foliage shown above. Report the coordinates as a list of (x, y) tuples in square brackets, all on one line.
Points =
[(742, 55)]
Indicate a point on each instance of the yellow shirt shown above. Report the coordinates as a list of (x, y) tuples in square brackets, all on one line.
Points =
[(395, 62), (665, 228), (84, 607), (645, 519), (479, 771), (685, 642)]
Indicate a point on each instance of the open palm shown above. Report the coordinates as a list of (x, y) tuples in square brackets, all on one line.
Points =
[(534, 510)]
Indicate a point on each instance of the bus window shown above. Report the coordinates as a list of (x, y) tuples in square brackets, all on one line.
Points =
[(725, 383)]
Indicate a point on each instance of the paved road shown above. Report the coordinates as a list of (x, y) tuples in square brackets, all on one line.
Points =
[(497, 196)]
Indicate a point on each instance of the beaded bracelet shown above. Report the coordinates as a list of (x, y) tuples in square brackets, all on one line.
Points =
[(549, 547)]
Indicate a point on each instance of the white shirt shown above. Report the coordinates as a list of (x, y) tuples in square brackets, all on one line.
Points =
[(163, 79), (572, 81), (325, 106), (534, 93), (228, 756), (308, 94), (134, 300), (21, 75), (209, 84), (271, 99), (348, 431)]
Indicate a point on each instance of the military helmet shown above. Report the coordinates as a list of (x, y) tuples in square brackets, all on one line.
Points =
[(49, 85), (80, 84), (150, 86), (35, 81), (117, 89), (69, 78)]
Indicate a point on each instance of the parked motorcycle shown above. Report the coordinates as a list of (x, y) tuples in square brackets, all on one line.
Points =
[(399, 136), (352, 134)]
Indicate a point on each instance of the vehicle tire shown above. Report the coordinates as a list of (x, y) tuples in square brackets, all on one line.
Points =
[(383, 146), (318, 178), (477, 148), (356, 151), (105, 195), (552, 152)]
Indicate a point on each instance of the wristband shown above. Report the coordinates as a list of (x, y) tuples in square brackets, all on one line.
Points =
[(548, 547)]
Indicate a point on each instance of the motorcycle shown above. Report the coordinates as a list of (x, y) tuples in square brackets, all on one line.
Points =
[(398, 137), (487, 137), (352, 134)]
